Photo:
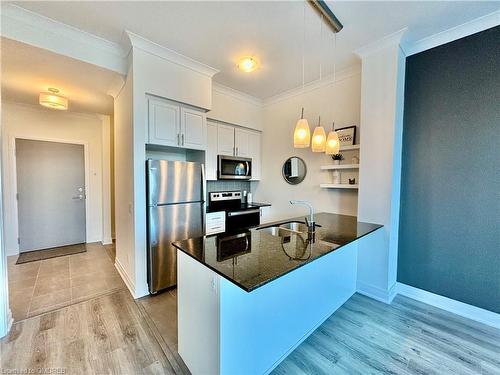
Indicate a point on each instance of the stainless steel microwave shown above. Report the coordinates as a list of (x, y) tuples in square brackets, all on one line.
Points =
[(234, 168)]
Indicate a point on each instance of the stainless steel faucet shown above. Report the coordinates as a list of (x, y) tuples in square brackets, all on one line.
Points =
[(310, 223)]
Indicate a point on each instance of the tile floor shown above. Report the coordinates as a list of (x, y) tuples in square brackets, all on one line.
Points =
[(46, 285)]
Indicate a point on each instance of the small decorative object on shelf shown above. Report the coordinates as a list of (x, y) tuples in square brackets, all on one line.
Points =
[(352, 181), (347, 135), (337, 158), (355, 160), (336, 176)]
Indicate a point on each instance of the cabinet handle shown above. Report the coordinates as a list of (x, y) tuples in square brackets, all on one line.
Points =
[(178, 139), (237, 151), (234, 151), (182, 139)]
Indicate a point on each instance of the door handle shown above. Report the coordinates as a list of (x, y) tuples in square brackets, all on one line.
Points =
[(78, 197)]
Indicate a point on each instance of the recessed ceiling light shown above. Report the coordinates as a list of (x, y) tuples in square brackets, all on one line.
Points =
[(52, 100), (248, 64)]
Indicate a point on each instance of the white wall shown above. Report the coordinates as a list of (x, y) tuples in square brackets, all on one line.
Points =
[(381, 119), (234, 107), (124, 184), (339, 101), (33, 122)]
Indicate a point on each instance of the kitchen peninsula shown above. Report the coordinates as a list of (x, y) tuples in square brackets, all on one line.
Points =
[(247, 299)]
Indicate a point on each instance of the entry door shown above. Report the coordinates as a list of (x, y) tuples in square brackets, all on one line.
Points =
[(51, 194)]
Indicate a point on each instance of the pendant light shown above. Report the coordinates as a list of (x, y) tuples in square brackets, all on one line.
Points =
[(302, 133), (319, 136), (332, 142)]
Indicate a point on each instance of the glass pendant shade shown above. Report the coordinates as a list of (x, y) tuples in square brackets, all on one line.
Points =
[(318, 139), (302, 133), (332, 143)]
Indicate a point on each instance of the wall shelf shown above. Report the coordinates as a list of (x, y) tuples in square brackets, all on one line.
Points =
[(339, 166), (338, 186), (349, 148)]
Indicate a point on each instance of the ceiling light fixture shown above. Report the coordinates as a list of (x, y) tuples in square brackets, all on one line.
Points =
[(248, 64), (52, 100), (319, 138), (302, 132)]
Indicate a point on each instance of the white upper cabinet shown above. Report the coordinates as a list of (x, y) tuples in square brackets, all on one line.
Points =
[(225, 140), (194, 129), (211, 154), (164, 123), (254, 146), (241, 142), (172, 124)]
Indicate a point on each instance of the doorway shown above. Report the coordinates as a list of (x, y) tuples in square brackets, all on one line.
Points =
[(50, 194)]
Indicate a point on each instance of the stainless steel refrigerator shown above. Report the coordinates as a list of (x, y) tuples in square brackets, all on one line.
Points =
[(176, 211)]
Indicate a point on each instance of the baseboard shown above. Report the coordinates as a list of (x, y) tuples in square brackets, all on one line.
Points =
[(376, 293), (456, 307), (107, 241), (126, 279)]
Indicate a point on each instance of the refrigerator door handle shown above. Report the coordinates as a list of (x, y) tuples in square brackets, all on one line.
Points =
[(153, 187)]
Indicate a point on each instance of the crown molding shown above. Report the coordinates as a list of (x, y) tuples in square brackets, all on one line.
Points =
[(314, 85), (40, 31), (132, 40), (390, 40), (236, 94), (474, 26)]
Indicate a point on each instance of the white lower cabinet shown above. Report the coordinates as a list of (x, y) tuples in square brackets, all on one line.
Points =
[(173, 124)]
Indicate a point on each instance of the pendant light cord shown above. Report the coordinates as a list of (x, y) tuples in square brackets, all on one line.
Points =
[(303, 42)]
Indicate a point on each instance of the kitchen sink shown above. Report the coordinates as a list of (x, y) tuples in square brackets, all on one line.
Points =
[(286, 229)]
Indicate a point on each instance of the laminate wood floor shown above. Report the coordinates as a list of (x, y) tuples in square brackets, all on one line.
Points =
[(105, 335), (407, 337), (114, 334)]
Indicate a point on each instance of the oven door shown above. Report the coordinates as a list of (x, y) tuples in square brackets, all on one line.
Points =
[(234, 168), (244, 219)]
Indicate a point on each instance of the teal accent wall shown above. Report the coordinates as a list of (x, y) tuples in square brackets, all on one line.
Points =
[(449, 238)]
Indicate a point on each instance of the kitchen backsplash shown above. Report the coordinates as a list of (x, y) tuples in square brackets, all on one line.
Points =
[(227, 185)]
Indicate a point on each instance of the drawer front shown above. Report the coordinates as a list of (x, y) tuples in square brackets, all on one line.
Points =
[(215, 222)]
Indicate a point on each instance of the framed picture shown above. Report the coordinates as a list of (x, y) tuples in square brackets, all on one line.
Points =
[(347, 135)]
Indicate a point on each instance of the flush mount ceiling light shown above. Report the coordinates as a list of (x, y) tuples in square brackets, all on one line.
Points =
[(248, 64), (52, 100)]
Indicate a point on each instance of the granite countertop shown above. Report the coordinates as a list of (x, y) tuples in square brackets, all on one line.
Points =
[(252, 258), (241, 207)]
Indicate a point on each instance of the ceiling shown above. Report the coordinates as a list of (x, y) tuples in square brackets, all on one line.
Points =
[(27, 71), (216, 33)]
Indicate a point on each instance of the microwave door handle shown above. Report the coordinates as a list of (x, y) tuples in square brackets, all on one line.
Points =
[(248, 168)]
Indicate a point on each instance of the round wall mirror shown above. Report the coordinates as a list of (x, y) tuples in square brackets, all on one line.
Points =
[(294, 170)]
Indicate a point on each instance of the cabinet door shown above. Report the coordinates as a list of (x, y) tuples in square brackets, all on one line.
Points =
[(194, 129), (254, 145), (163, 122), (211, 154), (225, 140), (241, 142)]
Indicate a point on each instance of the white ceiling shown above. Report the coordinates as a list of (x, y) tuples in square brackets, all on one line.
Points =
[(27, 71), (218, 32)]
